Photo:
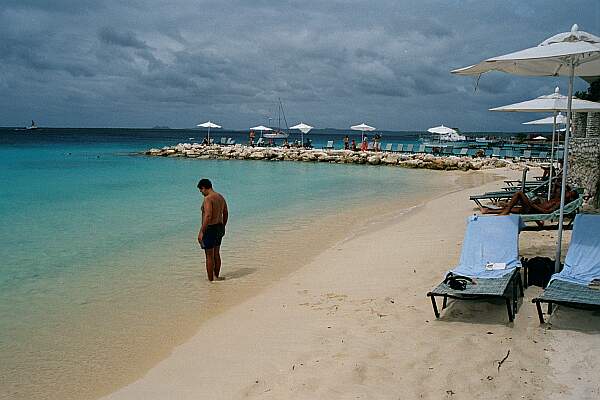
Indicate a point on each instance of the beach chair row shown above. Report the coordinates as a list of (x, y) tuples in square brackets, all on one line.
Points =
[(495, 152), (465, 151), (489, 267), (225, 141)]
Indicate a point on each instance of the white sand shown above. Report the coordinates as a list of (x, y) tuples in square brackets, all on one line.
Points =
[(356, 323)]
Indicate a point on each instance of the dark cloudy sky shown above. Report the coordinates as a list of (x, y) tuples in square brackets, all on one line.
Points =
[(139, 63)]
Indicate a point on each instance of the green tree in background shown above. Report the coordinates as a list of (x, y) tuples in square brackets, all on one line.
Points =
[(592, 94)]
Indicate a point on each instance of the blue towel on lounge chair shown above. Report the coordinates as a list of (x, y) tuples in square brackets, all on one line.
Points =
[(490, 239), (582, 263)]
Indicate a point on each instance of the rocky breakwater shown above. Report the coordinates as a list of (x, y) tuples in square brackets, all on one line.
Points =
[(240, 152)]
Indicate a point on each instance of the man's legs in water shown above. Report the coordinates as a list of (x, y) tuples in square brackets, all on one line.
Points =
[(210, 263), (217, 261)]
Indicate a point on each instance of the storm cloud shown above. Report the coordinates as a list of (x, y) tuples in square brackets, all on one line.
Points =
[(333, 64)]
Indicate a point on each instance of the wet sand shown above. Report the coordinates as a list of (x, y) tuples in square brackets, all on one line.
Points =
[(354, 322)]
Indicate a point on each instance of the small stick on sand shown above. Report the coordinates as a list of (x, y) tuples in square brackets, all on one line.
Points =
[(504, 359)]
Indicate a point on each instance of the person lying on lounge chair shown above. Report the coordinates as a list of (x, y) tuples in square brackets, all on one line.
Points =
[(520, 203)]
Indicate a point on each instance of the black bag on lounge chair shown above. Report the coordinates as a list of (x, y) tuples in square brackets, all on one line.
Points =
[(457, 282), (539, 270)]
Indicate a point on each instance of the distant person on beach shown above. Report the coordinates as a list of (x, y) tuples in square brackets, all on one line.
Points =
[(376, 141), (346, 142), (520, 203), (205, 140), (251, 141), (353, 145), (364, 146), (214, 220)]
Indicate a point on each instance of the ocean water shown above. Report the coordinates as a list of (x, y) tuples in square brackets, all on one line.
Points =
[(100, 272)]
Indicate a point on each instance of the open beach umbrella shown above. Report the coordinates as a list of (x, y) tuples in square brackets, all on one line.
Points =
[(441, 130), (208, 125), (261, 129), (363, 128), (539, 138), (560, 119), (302, 127), (554, 102), (574, 53)]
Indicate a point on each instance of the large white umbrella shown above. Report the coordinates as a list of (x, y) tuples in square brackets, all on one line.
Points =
[(554, 102), (302, 127), (441, 130), (208, 125), (363, 128), (574, 53)]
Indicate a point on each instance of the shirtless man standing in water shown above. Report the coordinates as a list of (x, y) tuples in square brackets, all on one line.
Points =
[(214, 219)]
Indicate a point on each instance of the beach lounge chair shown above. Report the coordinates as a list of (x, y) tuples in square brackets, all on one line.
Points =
[(569, 212), (488, 239), (409, 148), (570, 287), (329, 145), (463, 151), (539, 188), (496, 152), (526, 154), (260, 142), (399, 147), (223, 141), (388, 147), (421, 149), (448, 150), (542, 156), (230, 141)]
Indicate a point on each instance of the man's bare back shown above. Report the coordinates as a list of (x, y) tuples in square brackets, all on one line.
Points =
[(216, 204)]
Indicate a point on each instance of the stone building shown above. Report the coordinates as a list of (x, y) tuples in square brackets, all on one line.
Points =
[(584, 155)]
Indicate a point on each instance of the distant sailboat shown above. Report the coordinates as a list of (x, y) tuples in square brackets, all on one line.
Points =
[(279, 134), (32, 127)]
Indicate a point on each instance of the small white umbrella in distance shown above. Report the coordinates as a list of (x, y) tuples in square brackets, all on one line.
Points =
[(261, 129), (363, 128), (208, 125), (441, 130), (539, 138), (574, 53), (302, 127)]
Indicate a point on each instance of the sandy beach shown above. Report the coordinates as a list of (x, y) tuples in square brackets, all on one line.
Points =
[(355, 323)]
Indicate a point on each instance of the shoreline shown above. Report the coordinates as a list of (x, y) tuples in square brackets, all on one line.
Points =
[(355, 320), (358, 221)]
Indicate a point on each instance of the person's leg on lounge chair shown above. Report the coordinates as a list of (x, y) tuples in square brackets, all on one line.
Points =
[(519, 198)]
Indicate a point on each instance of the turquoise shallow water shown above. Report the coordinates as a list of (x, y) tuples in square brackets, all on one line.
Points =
[(98, 254)]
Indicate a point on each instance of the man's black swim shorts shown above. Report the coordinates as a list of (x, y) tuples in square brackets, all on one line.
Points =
[(213, 235)]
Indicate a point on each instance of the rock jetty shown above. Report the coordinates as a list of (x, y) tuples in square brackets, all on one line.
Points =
[(241, 152)]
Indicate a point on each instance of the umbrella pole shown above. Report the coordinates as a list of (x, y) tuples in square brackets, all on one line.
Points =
[(551, 157), (208, 136), (565, 165)]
